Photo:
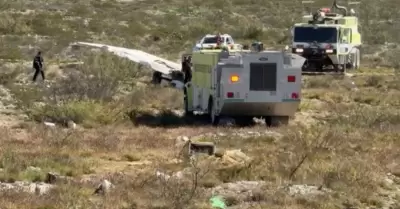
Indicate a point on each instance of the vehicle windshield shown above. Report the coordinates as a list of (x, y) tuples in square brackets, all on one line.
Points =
[(311, 34), (210, 40)]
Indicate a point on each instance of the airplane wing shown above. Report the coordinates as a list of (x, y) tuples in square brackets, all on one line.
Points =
[(159, 64)]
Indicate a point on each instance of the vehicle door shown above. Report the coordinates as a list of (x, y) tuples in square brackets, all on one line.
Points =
[(344, 40)]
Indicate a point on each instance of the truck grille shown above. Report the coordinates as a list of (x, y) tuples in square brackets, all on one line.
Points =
[(263, 76)]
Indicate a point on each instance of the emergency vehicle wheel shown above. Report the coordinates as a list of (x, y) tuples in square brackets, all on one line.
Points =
[(214, 119)]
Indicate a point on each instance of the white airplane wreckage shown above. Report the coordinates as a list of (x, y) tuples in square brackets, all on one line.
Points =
[(163, 69)]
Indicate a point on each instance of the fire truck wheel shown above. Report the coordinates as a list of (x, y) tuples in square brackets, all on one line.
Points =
[(214, 119)]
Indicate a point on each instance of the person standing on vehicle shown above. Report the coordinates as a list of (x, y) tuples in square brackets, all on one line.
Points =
[(187, 69), (219, 40), (38, 66)]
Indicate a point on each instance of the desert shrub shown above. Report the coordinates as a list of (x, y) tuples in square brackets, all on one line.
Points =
[(155, 97), (99, 78), (7, 77), (88, 95), (16, 165), (47, 24), (394, 84), (9, 52), (251, 32), (27, 96), (87, 112), (392, 58), (13, 24), (365, 117), (318, 82)]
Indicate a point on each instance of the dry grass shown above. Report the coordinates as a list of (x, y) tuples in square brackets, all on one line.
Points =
[(345, 136), (349, 150), (152, 25)]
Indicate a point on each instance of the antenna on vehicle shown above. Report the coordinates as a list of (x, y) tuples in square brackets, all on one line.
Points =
[(336, 6)]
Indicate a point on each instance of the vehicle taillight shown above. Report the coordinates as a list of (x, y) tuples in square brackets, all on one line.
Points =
[(291, 78), (234, 78), (295, 95), (229, 94)]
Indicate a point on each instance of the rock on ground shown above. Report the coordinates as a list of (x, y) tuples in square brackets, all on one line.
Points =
[(390, 194), (241, 190), (104, 187), (306, 190), (34, 188)]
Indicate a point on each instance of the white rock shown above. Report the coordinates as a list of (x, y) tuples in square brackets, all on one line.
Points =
[(389, 181), (183, 138), (104, 187), (242, 190), (181, 141), (71, 124), (178, 175), (306, 190), (236, 155), (49, 124), (38, 188), (162, 175)]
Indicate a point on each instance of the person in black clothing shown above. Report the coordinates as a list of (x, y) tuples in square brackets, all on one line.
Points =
[(187, 69), (38, 65)]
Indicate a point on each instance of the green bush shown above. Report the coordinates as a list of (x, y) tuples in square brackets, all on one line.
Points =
[(88, 95), (88, 112), (99, 78)]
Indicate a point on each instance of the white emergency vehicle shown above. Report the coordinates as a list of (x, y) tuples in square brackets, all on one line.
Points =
[(244, 84), (216, 41)]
